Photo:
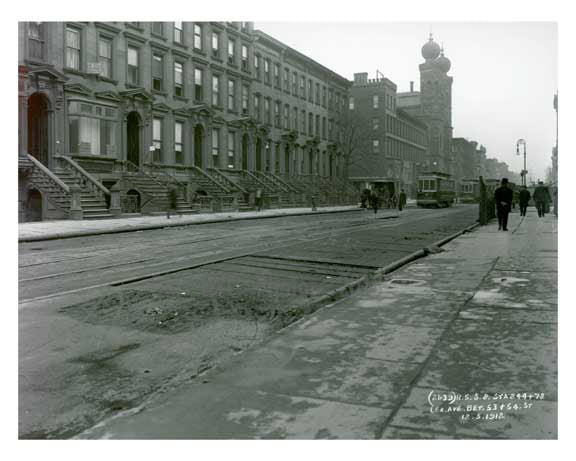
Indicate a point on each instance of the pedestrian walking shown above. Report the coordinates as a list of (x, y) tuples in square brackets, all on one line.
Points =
[(258, 199), (364, 197), (541, 199), (523, 200), (402, 200), (172, 199), (374, 201), (503, 197)]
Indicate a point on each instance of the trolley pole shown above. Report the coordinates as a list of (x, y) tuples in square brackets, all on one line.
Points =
[(524, 171)]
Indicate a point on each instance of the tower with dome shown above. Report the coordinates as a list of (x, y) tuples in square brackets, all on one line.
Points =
[(433, 105)]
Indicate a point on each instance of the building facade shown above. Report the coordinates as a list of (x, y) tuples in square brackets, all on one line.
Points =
[(395, 143), (432, 105), (182, 102)]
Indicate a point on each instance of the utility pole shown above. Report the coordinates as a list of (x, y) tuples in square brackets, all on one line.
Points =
[(524, 171)]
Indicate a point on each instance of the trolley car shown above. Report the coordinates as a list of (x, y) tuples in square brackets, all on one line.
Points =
[(435, 189), (469, 191)]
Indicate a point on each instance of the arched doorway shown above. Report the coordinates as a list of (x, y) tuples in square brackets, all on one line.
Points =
[(258, 155), (133, 202), (133, 138), (198, 145), (38, 142), (245, 152), (34, 206)]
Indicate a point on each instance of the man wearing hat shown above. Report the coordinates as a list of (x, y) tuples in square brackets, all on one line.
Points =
[(503, 197)]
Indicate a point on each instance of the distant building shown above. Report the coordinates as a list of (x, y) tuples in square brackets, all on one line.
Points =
[(394, 151), (432, 105)]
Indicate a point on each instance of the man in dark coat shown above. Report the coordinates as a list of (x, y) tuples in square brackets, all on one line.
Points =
[(364, 197), (401, 200), (374, 201), (503, 197), (523, 199), (172, 199), (541, 198)]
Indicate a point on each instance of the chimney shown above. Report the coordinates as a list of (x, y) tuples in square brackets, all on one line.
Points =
[(411, 87), (361, 78)]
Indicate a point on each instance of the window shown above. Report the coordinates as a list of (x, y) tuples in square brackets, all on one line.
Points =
[(133, 70), (231, 95), (245, 99), (303, 121), (178, 32), (324, 127), (310, 124), (295, 119), (303, 87), (277, 114), (257, 67), (105, 57), (198, 36), (36, 40), (376, 145), (157, 72), (310, 91), (277, 75), (287, 117), (317, 94), (215, 90), (158, 28), (287, 79), (198, 80), (157, 139), (257, 108), (318, 126), (72, 48), (330, 98), (91, 135), (324, 96), (267, 110), (178, 79), (231, 52), (375, 101), (331, 129), (231, 149), (267, 71), (244, 56), (215, 44), (215, 146), (351, 104), (375, 123), (244, 26), (295, 84), (178, 151)]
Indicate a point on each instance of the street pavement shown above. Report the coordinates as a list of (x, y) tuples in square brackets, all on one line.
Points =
[(47, 230), (459, 344)]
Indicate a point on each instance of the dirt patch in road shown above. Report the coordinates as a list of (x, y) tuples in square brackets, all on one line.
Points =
[(166, 312)]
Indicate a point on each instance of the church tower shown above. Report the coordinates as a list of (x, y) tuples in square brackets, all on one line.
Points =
[(436, 105)]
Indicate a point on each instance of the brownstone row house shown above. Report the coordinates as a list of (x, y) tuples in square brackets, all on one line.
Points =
[(114, 115)]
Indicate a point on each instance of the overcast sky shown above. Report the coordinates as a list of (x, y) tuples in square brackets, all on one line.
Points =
[(505, 74)]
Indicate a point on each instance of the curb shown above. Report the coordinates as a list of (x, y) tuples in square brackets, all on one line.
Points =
[(88, 233), (337, 293)]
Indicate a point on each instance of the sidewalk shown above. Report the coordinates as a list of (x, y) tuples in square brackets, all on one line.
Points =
[(395, 360), (48, 230)]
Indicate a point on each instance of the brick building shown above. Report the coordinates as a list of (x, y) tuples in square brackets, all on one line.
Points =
[(111, 115), (395, 151)]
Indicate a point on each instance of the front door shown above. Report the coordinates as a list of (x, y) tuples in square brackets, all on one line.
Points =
[(198, 136), (38, 127), (133, 138), (245, 152)]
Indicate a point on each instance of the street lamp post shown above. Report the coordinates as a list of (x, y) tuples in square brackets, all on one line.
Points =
[(518, 144)]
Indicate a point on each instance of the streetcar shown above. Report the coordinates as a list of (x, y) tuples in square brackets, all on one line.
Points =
[(469, 191), (435, 189)]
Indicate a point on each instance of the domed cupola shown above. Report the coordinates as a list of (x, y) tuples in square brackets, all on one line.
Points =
[(430, 50), (443, 63)]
